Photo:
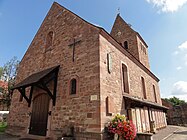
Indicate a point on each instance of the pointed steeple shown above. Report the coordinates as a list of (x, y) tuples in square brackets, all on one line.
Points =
[(130, 40), (122, 32)]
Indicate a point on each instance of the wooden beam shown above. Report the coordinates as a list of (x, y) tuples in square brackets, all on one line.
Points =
[(40, 86), (55, 87), (22, 91), (30, 96), (44, 87), (52, 78)]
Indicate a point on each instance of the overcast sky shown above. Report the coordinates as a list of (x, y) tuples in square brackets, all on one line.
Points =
[(162, 24)]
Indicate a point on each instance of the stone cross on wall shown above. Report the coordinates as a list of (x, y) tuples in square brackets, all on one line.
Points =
[(75, 42)]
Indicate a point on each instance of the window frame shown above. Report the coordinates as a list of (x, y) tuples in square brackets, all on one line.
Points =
[(49, 46), (69, 86), (126, 46), (125, 78), (154, 93), (143, 87), (73, 91)]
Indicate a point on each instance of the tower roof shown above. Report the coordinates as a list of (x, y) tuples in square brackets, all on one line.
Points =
[(120, 23)]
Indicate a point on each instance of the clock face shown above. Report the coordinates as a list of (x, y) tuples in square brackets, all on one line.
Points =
[(119, 33)]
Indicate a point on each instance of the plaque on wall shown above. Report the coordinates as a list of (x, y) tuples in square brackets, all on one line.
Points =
[(93, 97)]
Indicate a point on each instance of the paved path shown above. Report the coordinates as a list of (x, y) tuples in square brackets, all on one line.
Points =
[(7, 137), (169, 133), (165, 132), (180, 134)]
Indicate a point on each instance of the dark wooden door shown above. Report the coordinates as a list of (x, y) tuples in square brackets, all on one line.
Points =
[(39, 116)]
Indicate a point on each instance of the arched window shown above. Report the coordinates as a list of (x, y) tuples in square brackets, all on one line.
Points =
[(49, 40), (125, 78), (73, 86), (143, 88), (154, 92), (126, 45)]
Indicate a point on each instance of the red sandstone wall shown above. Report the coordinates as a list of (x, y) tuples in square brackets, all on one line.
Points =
[(77, 110), (122, 32), (143, 53), (111, 84), (90, 68)]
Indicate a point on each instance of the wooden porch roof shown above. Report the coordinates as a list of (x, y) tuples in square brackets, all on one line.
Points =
[(35, 78), (40, 80), (140, 102)]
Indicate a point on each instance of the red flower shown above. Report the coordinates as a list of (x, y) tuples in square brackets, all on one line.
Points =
[(124, 128)]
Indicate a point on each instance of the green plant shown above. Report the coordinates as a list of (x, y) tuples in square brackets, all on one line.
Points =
[(3, 126), (175, 101)]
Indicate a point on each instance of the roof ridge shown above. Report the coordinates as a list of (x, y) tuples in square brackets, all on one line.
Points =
[(101, 28), (76, 15), (141, 38)]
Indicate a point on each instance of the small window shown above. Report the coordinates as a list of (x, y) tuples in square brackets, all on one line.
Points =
[(143, 48), (154, 92), (109, 107), (125, 78), (109, 62), (49, 40), (73, 86), (143, 88), (126, 45)]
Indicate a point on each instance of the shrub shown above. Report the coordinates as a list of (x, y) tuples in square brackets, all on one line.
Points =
[(3, 126)]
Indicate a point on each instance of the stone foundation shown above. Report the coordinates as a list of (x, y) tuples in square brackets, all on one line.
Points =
[(144, 136), (81, 136), (88, 136), (15, 130)]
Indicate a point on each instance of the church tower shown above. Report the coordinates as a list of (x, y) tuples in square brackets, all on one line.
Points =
[(130, 40)]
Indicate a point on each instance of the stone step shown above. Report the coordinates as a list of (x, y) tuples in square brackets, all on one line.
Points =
[(34, 137), (15, 131)]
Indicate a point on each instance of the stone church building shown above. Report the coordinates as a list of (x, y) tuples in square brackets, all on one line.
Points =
[(75, 76)]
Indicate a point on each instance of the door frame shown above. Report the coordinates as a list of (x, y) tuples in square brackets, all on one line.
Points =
[(48, 131)]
